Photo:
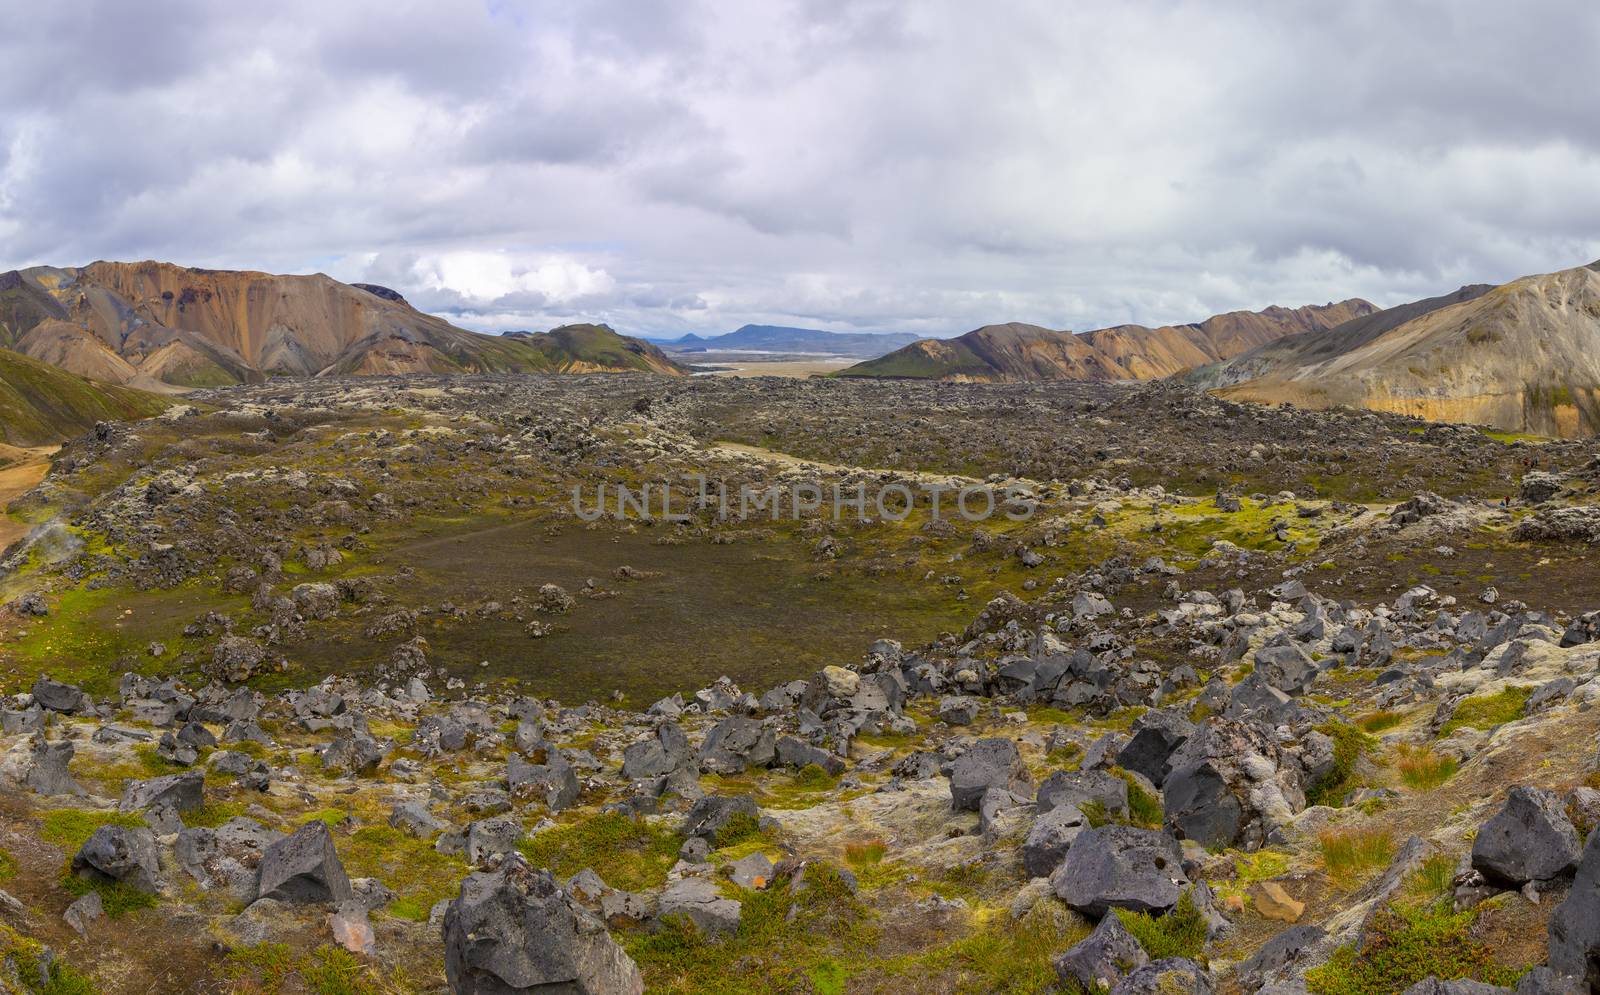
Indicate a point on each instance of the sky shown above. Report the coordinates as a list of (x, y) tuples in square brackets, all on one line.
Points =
[(927, 166)]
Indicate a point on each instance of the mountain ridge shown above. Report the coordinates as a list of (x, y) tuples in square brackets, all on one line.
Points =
[(162, 325), (1017, 351), (786, 338)]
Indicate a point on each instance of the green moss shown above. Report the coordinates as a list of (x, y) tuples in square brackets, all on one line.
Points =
[(8, 866), (1144, 808), (629, 854), (740, 827), (22, 964), (70, 828), (775, 948), (275, 969), (1486, 711), (117, 898), (1404, 946), (1179, 933), (418, 874), (1349, 743)]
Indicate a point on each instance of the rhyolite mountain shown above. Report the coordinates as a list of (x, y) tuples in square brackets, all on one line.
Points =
[(1019, 352), (158, 325), (1522, 357), (780, 338)]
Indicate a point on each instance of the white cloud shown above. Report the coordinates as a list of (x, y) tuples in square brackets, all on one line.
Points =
[(928, 166)]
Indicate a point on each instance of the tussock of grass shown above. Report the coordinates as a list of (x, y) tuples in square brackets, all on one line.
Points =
[(1179, 933), (1348, 745), (70, 828), (1405, 946), (1486, 711), (1423, 769), (418, 874), (1348, 854), (1378, 721), (117, 898), (1434, 878), (629, 854), (1144, 808)]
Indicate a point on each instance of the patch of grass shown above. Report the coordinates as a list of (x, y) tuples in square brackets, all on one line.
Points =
[(1144, 808), (1179, 933), (22, 963), (70, 828), (1378, 721), (1434, 878), (865, 854), (1405, 946), (1485, 711), (629, 854), (211, 814), (781, 939), (740, 828), (419, 875), (1423, 769), (118, 898), (812, 777), (275, 969), (8, 866), (1248, 868), (1348, 854), (1003, 955), (1349, 743)]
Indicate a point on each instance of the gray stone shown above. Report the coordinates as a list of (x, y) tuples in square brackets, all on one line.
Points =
[(228, 857), (1085, 789), (711, 813), (47, 767), (753, 872), (1049, 839), (1121, 867), (304, 868), (1575, 925), (736, 744), (180, 792), (122, 854), (1173, 976), (699, 900), (662, 752), (1102, 959), (86, 910), (990, 763), (957, 710), (55, 696), (487, 837), (793, 752), (1458, 986), (413, 818), (513, 930), (1529, 839), (1154, 737)]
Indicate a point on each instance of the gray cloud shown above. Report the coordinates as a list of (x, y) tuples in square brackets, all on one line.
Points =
[(930, 166)]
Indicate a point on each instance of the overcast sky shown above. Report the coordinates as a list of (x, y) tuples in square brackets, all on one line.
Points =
[(928, 166)]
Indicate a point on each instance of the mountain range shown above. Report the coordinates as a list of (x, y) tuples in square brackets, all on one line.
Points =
[(1523, 357), (1017, 351), (156, 325), (780, 338)]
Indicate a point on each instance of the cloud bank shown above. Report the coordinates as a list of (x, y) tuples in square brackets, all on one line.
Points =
[(926, 166)]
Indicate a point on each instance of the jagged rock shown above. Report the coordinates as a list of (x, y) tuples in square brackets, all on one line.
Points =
[(1102, 959), (1121, 867), (122, 854), (351, 929), (354, 752), (798, 753), (1529, 839), (85, 911), (555, 783), (699, 900), (711, 813), (1286, 667), (753, 872), (180, 792), (990, 763), (1575, 925), (662, 752), (1153, 738), (237, 658), (304, 868), (45, 768), (957, 710), (514, 930), (55, 696), (1544, 981), (1173, 976), (413, 818), (1231, 784), (1050, 837), (1085, 789), (1280, 957), (736, 744), (487, 837), (228, 857)]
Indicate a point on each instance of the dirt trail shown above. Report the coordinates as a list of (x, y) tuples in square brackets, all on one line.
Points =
[(17, 479)]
